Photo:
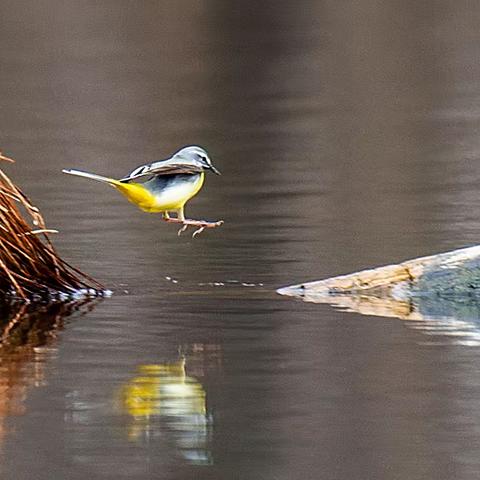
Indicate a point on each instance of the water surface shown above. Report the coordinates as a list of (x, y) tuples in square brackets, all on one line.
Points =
[(347, 134)]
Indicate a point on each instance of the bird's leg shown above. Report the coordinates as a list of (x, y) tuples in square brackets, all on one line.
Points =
[(181, 214), (170, 219), (181, 218), (201, 224)]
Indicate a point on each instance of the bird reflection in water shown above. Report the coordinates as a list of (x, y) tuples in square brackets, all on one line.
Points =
[(164, 398)]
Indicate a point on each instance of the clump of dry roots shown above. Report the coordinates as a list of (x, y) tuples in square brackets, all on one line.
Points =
[(30, 268)]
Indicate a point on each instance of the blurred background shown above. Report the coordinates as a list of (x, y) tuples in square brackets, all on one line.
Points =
[(348, 137)]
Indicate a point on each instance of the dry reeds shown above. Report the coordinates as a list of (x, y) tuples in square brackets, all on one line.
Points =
[(30, 268)]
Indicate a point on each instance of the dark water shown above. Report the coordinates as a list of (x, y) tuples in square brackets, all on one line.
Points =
[(348, 135)]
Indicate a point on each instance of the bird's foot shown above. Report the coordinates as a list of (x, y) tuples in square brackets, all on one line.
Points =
[(201, 224)]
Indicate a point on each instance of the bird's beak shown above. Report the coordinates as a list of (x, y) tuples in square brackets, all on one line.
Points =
[(214, 170)]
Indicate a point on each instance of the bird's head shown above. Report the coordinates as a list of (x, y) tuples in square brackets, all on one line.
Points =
[(198, 156)]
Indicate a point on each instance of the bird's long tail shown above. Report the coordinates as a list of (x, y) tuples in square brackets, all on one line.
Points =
[(92, 176), (135, 192)]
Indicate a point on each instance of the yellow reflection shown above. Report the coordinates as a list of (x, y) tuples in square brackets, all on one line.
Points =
[(164, 397)]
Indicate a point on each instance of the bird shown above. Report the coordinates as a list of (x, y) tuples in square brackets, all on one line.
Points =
[(165, 186)]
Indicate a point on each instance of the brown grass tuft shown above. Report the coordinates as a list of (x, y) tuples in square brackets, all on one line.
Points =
[(30, 268)]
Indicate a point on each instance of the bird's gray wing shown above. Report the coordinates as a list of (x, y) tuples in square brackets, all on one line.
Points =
[(164, 167)]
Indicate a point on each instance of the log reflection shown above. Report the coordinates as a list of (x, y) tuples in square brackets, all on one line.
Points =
[(444, 320)]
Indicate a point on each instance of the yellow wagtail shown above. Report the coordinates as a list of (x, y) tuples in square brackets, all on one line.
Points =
[(165, 186)]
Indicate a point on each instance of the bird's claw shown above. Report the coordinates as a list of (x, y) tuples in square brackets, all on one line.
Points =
[(198, 231), (202, 225), (182, 229)]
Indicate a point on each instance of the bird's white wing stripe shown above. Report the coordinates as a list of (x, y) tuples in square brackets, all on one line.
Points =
[(165, 167)]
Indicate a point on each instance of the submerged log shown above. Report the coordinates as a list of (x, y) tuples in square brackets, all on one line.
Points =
[(447, 284), (450, 273)]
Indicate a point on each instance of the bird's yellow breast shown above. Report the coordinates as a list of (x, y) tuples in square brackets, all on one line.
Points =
[(151, 199)]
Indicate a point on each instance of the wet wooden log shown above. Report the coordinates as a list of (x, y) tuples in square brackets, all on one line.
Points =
[(447, 275)]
